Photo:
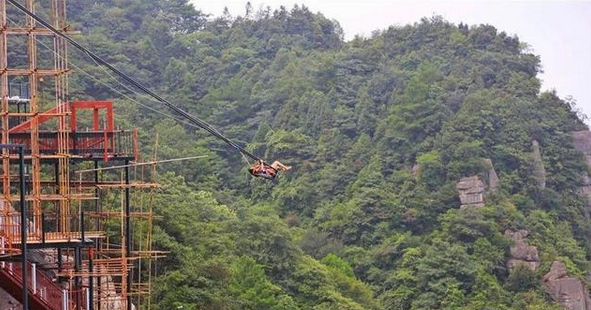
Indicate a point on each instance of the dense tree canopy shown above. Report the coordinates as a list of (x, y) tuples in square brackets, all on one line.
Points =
[(353, 225)]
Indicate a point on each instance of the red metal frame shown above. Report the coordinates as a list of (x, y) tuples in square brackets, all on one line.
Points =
[(135, 144), (96, 106), (105, 138), (41, 118)]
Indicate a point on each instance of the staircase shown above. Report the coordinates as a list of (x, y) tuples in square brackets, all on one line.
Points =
[(43, 293)]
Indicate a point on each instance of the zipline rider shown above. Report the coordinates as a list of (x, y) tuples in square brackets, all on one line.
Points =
[(259, 169), (266, 171)]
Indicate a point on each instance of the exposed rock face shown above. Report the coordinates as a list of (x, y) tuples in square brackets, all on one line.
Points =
[(585, 188), (471, 191), (110, 298), (8, 303), (416, 170), (493, 179), (539, 170), (582, 142), (570, 292), (522, 254)]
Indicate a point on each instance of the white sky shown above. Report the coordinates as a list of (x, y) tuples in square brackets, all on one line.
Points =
[(558, 31)]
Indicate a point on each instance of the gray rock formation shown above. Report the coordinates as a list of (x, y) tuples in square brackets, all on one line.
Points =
[(8, 303), (539, 170), (493, 179), (585, 188), (582, 142), (471, 191), (521, 253), (415, 170), (570, 292)]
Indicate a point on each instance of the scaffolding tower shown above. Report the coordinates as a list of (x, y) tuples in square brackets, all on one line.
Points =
[(88, 229)]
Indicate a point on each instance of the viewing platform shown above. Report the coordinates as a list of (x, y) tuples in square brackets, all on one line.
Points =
[(101, 142)]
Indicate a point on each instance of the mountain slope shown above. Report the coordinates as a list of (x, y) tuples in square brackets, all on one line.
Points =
[(379, 130)]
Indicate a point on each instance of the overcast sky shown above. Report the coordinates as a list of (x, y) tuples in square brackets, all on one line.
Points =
[(558, 31)]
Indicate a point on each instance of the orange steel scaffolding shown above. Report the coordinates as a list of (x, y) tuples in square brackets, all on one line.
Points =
[(93, 229)]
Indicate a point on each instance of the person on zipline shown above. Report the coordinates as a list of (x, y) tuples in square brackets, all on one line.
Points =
[(264, 170)]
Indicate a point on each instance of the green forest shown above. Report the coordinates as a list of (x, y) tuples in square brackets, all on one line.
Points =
[(379, 131)]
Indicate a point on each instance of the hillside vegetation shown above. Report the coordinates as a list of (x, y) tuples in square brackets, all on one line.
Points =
[(379, 131)]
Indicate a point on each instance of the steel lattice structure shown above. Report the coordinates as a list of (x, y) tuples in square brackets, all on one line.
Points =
[(89, 260)]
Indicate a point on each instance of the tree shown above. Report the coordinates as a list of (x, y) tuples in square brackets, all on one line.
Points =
[(354, 119), (254, 290)]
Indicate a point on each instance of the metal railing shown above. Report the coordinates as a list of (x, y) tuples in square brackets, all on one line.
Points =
[(10, 228), (38, 284), (87, 144), (42, 229)]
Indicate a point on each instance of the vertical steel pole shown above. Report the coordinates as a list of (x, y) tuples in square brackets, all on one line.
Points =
[(82, 226), (4, 94), (34, 277), (88, 303), (65, 300), (97, 206), (24, 222), (128, 233), (43, 228), (2, 251), (56, 173), (59, 260), (77, 282), (90, 296)]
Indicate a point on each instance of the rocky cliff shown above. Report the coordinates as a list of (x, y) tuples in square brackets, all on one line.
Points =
[(521, 253), (570, 292), (582, 142), (539, 172), (471, 192)]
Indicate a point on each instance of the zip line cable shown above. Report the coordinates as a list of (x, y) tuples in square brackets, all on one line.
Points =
[(116, 90), (192, 119), (142, 164), (111, 87)]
